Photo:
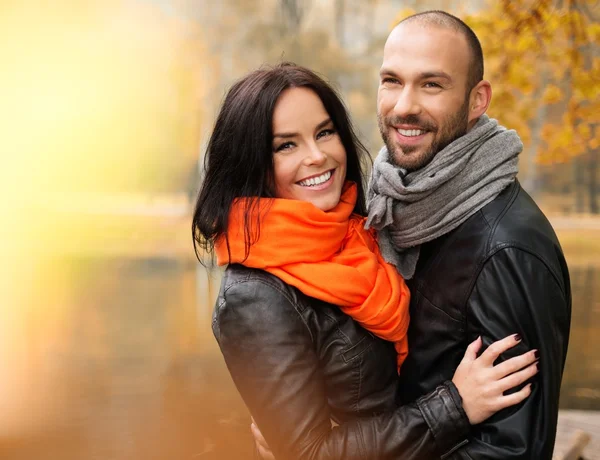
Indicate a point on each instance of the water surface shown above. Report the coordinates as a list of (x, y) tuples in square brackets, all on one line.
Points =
[(131, 370)]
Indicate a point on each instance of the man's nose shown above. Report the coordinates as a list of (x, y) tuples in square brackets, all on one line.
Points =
[(407, 103)]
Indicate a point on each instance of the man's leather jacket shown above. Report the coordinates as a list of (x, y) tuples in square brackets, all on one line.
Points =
[(501, 272)]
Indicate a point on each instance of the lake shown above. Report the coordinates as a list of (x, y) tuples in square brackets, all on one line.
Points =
[(125, 366)]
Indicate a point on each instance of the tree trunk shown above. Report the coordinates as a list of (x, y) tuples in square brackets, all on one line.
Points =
[(531, 182), (579, 180), (593, 181), (294, 12)]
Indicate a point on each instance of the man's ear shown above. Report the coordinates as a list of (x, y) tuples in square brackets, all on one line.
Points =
[(479, 101)]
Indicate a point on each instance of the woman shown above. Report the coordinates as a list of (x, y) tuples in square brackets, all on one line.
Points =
[(310, 320)]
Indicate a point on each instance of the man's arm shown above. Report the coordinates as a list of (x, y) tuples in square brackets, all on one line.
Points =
[(517, 292)]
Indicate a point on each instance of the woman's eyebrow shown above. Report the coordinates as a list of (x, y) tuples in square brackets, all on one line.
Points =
[(288, 135)]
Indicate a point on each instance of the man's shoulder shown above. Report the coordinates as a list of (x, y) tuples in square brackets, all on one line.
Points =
[(511, 221), (514, 219)]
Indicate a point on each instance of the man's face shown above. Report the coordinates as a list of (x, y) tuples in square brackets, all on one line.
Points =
[(422, 101)]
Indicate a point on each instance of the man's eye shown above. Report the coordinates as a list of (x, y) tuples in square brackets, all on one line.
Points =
[(431, 84), (389, 80)]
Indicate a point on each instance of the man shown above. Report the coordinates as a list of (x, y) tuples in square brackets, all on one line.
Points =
[(480, 257)]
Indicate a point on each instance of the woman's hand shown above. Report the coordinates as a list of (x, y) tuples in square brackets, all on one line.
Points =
[(482, 385)]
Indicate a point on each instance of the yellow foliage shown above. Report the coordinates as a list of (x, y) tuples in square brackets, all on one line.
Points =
[(525, 43), (584, 131), (552, 94), (542, 61), (593, 31)]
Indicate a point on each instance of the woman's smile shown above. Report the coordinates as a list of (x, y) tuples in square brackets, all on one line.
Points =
[(318, 182), (309, 158)]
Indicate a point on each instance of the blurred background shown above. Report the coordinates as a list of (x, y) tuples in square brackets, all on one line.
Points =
[(106, 348)]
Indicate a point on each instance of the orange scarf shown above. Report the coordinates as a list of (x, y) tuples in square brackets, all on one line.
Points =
[(327, 256)]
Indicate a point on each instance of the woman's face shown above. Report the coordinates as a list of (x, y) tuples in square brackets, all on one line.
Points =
[(309, 158)]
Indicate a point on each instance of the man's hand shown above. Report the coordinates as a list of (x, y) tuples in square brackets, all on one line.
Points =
[(261, 445)]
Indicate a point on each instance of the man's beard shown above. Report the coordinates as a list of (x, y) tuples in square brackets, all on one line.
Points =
[(454, 127)]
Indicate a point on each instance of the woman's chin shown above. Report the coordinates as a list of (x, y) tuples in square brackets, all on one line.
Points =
[(327, 203)]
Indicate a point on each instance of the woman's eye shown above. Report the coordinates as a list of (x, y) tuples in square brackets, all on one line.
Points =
[(284, 146), (325, 132)]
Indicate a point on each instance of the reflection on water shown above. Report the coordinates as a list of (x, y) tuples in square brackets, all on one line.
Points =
[(581, 381), (132, 370), (135, 371)]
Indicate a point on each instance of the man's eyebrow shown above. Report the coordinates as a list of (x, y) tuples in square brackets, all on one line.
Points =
[(319, 126), (436, 74), (385, 71), (422, 75)]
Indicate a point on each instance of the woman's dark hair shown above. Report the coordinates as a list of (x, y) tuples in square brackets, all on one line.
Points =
[(239, 157)]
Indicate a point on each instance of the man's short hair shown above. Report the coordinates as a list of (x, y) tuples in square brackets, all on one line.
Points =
[(443, 19)]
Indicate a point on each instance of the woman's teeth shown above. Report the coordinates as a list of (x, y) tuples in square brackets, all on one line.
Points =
[(316, 180)]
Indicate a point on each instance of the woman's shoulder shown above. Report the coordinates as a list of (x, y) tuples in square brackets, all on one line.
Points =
[(256, 302), (256, 292), (237, 273), (238, 277)]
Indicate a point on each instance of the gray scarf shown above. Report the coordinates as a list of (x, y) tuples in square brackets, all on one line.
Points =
[(411, 208)]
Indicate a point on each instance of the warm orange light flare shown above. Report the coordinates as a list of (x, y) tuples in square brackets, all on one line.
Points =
[(100, 99)]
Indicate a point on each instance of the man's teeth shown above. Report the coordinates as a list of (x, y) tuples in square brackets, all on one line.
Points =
[(316, 180), (411, 132)]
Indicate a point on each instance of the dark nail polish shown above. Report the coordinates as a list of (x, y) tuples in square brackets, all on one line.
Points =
[(536, 353), (538, 366), (517, 337)]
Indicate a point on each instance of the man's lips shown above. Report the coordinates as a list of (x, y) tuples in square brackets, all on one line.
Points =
[(410, 136)]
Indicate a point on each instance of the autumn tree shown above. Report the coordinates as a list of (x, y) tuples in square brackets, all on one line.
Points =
[(543, 60), (542, 57)]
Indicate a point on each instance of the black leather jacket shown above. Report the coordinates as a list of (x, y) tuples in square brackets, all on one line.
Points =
[(300, 363), (501, 272)]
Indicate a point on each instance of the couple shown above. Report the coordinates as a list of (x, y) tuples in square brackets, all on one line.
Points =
[(313, 313)]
